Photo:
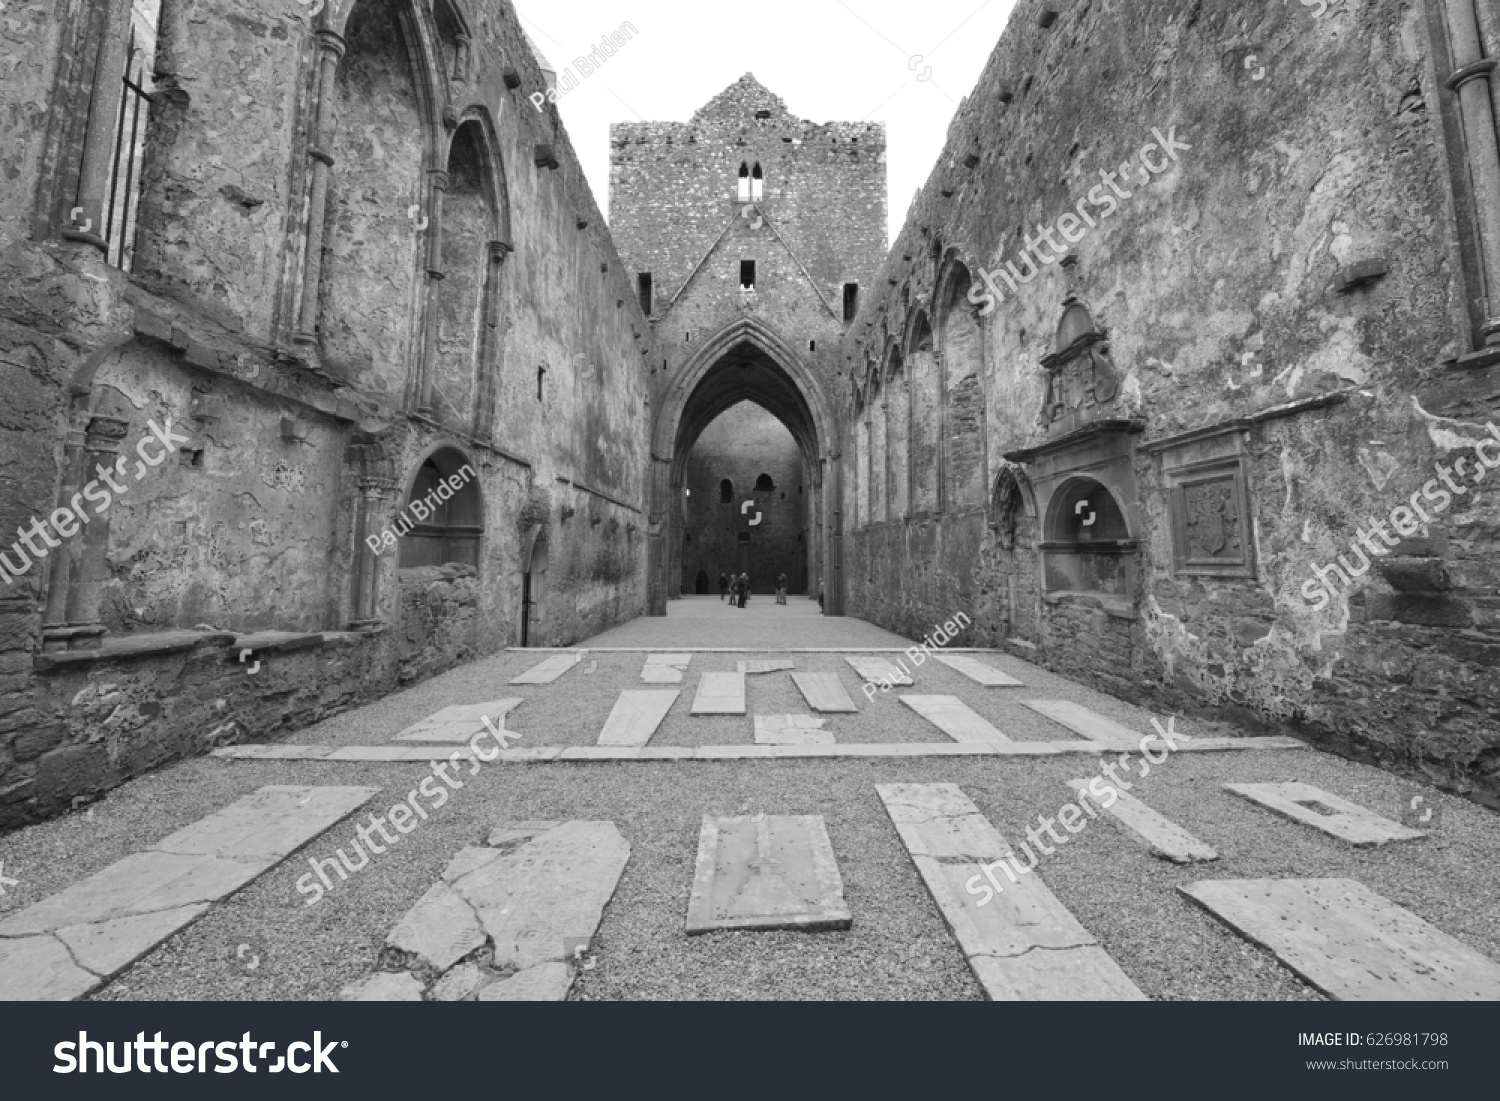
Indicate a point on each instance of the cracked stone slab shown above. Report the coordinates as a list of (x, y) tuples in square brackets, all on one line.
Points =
[(665, 668), (107, 921), (1345, 820), (545, 982), (1023, 944), (441, 928), (955, 718), (507, 832), (791, 730), (824, 692), (460, 722), (1089, 724), (1162, 836), (766, 872), (383, 986), (878, 671), (767, 665), (720, 694), (548, 671), (977, 671), (636, 715), (1348, 941)]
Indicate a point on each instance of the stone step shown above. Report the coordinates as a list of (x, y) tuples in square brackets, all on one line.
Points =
[(636, 715), (1021, 942), (1158, 833), (879, 671), (460, 722), (1348, 941), (503, 923), (824, 692), (720, 694), (72, 942), (1345, 820), (955, 718), (548, 671), (977, 671)]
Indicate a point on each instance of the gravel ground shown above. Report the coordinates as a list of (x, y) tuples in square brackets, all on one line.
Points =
[(898, 947)]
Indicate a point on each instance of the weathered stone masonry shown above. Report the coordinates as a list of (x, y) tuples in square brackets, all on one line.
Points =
[(1269, 342), (363, 261)]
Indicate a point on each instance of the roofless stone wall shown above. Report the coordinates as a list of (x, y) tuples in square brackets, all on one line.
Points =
[(1195, 294)]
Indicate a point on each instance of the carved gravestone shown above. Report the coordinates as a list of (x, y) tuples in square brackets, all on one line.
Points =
[(766, 873)]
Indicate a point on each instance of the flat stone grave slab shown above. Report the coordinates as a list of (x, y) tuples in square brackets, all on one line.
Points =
[(1162, 836), (766, 872), (1089, 724), (977, 671), (879, 671), (767, 665), (720, 694), (460, 722), (824, 692), (499, 924), (665, 668), (1348, 941), (548, 671), (636, 715), (1021, 942), (791, 730), (66, 945), (955, 718), (1312, 806)]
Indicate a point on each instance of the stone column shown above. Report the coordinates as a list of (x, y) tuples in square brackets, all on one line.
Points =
[(104, 117), (331, 46), (941, 502), (72, 621), (1472, 75), (484, 389), (437, 188), (373, 493), (885, 458)]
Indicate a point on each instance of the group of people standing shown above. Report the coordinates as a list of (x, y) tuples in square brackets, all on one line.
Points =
[(737, 589)]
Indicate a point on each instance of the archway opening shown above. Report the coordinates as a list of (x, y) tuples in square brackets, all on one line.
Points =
[(1089, 548), (445, 512)]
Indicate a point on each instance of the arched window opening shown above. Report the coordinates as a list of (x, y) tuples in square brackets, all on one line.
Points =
[(757, 184), (743, 193), (443, 514), (764, 484), (726, 492)]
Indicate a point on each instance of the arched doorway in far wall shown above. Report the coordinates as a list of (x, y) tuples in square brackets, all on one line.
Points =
[(533, 584)]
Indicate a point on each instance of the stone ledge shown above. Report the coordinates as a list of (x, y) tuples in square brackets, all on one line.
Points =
[(131, 646), (269, 641)]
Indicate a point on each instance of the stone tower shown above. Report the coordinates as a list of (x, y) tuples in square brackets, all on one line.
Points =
[(751, 236)]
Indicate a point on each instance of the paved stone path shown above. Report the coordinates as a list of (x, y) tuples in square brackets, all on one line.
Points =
[(1119, 913)]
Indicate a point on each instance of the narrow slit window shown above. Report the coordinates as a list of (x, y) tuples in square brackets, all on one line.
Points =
[(726, 492), (757, 184), (643, 286), (541, 376), (851, 301), (743, 194), (747, 273)]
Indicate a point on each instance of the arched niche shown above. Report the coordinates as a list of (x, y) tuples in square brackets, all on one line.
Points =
[(1088, 543), (443, 513)]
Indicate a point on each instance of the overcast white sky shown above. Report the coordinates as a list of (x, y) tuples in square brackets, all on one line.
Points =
[(829, 60)]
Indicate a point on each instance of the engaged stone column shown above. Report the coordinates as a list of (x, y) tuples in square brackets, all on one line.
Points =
[(104, 113), (79, 628), (437, 188), (331, 48), (373, 493), (1471, 79)]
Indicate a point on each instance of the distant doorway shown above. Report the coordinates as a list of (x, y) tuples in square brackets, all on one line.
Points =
[(701, 585), (533, 585)]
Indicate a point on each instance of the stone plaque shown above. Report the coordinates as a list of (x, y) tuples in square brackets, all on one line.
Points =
[(766, 873)]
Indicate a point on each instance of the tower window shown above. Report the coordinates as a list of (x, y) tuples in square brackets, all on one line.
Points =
[(851, 301), (726, 492), (747, 273), (643, 287), (763, 484), (812, 345), (743, 194), (757, 184), (541, 375)]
